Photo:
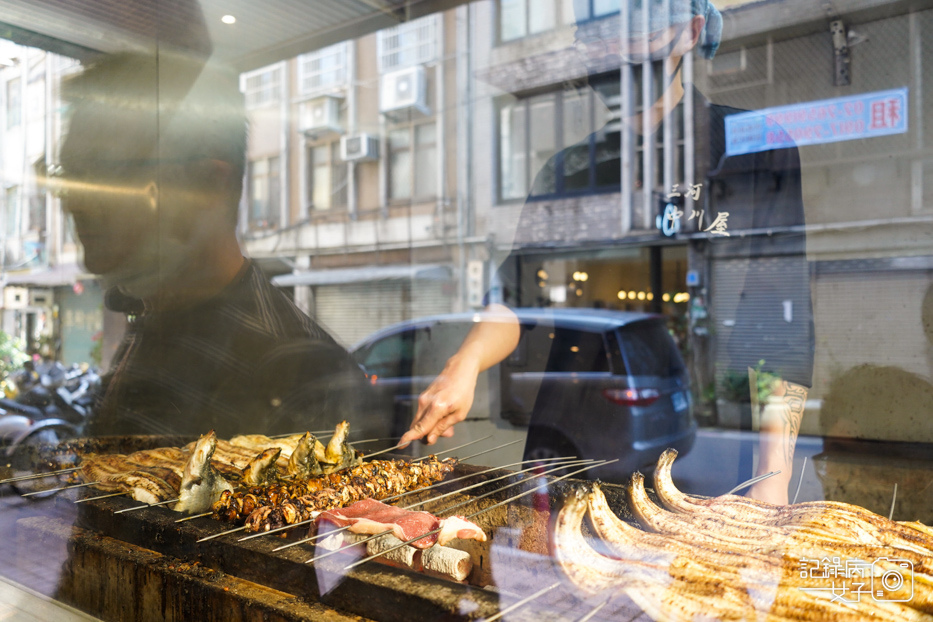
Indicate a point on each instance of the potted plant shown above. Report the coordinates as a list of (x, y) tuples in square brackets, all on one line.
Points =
[(734, 398)]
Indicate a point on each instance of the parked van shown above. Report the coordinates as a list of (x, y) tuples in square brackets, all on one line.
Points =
[(584, 382)]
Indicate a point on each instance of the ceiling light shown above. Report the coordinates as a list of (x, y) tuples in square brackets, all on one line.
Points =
[(228, 19)]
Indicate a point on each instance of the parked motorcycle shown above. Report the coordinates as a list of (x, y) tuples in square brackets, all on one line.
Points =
[(47, 404)]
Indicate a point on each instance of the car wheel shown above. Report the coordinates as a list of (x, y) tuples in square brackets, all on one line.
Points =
[(545, 446)]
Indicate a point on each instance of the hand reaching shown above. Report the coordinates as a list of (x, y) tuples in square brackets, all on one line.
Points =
[(445, 403)]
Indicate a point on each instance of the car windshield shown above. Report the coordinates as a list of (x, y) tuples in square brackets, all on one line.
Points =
[(648, 350)]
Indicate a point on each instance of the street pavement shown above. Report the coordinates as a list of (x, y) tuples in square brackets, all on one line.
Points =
[(722, 458)]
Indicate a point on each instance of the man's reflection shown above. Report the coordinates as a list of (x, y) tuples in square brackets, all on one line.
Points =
[(152, 170), (753, 192)]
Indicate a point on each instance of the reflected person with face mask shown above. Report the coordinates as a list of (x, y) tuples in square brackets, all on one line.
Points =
[(151, 173), (756, 191)]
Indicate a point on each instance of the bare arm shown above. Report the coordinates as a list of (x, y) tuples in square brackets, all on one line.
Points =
[(448, 399), (780, 424)]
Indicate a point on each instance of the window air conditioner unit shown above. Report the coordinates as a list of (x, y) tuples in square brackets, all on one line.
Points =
[(15, 297), (403, 90), (359, 148), (40, 298), (320, 115)]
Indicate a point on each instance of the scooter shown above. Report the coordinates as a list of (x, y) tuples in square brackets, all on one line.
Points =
[(52, 407)]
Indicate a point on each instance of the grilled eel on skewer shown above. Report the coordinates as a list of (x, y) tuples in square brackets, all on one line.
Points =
[(265, 508), (201, 485), (648, 583), (769, 540), (752, 573), (114, 474), (850, 522)]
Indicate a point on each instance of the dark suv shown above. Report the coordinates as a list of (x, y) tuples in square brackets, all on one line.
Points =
[(585, 382)]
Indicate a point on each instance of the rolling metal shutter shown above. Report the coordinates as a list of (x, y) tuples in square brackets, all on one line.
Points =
[(353, 311)]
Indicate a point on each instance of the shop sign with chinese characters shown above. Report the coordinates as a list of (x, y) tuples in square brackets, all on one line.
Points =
[(826, 121), (669, 221)]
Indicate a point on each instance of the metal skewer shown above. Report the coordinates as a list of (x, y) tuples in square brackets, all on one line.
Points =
[(800, 481), (893, 500), (404, 494), (521, 603), (300, 433), (477, 513), (447, 451), (23, 478), (148, 505), (373, 440), (752, 481), (444, 511), (194, 516), (40, 492), (113, 494), (595, 610), (222, 533)]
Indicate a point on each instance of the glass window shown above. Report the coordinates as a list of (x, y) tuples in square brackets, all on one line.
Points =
[(649, 350), (521, 18), (263, 87), (265, 194), (513, 151), (410, 43), (727, 251), (323, 70), (568, 149), (327, 177), (512, 20), (392, 356), (14, 102), (542, 15), (575, 351), (12, 211), (425, 170), (413, 162), (400, 164)]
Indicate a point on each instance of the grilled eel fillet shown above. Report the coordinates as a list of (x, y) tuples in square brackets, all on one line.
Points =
[(289, 504), (749, 537), (751, 573), (113, 474), (663, 592), (848, 522)]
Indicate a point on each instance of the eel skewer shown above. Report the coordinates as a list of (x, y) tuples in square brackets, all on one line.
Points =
[(492, 507), (574, 462)]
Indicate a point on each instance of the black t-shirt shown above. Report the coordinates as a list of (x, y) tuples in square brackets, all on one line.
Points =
[(245, 361)]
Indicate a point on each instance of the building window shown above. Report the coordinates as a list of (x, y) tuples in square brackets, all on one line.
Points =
[(323, 70), (262, 87), (569, 142), (559, 143), (11, 221), (412, 162), (264, 194), (14, 102), (327, 177), (408, 44), (521, 18)]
